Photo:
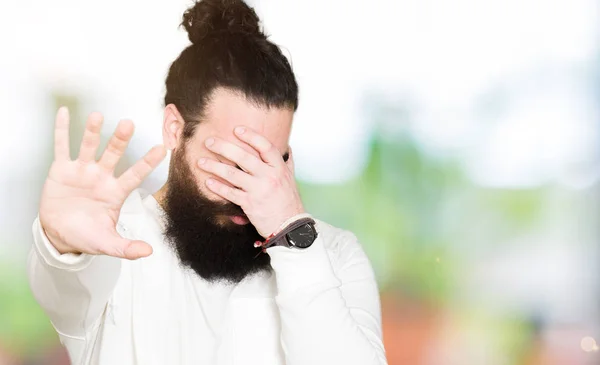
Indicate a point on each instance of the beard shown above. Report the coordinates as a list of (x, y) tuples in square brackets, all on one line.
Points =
[(203, 236)]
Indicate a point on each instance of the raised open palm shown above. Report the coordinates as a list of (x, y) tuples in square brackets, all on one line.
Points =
[(82, 198)]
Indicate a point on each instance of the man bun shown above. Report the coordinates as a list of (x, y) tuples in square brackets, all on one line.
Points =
[(211, 17)]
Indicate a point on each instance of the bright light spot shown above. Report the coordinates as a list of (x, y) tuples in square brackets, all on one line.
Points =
[(437, 259), (588, 344)]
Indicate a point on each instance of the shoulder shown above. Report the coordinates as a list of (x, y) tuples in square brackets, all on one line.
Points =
[(131, 212), (134, 202), (342, 246), (138, 221), (335, 238)]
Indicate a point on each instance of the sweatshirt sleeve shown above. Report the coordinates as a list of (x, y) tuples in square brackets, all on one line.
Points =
[(72, 289), (329, 303)]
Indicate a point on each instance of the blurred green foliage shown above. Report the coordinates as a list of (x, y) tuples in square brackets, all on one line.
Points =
[(395, 209), (24, 327), (411, 210)]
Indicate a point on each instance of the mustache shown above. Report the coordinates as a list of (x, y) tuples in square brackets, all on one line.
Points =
[(228, 209), (217, 208)]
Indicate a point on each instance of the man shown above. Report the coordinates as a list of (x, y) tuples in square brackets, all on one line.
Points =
[(222, 265)]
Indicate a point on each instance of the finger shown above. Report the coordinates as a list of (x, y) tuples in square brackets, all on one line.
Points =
[(236, 154), (91, 138), (61, 135), (127, 249), (117, 145), (234, 195), (268, 152), (134, 176), (235, 176)]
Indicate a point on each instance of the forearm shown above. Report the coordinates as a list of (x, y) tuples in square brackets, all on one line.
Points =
[(72, 289), (321, 324)]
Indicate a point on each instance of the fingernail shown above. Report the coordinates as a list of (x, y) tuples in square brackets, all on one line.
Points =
[(210, 141), (209, 182), (240, 130), (201, 161)]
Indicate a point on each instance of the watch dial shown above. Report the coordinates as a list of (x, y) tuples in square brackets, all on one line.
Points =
[(303, 236)]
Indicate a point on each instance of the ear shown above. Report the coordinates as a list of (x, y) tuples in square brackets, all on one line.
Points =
[(172, 127), (290, 161)]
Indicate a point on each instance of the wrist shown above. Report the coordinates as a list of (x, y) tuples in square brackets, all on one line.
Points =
[(297, 231), (291, 220)]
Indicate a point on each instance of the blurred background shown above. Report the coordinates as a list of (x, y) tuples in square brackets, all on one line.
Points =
[(457, 138)]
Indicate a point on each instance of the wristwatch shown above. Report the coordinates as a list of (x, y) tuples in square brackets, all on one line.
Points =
[(298, 234)]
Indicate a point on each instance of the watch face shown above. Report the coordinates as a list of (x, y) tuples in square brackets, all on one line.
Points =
[(303, 236)]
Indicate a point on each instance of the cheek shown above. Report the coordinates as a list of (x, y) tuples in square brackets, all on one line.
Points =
[(201, 177), (193, 155)]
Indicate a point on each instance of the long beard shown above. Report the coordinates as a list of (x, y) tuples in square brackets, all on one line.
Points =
[(202, 234)]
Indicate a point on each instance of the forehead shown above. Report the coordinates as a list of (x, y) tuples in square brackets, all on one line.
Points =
[(227, 110)]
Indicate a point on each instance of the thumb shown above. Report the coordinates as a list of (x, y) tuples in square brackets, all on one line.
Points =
[(137, 249), (128, 249)]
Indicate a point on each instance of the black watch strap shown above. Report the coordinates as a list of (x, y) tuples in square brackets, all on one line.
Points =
[(280, 238)]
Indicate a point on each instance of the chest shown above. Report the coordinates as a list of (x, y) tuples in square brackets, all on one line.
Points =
[(168, 316)]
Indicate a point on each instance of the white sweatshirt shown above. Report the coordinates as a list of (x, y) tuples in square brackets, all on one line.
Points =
[(321, 305)]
